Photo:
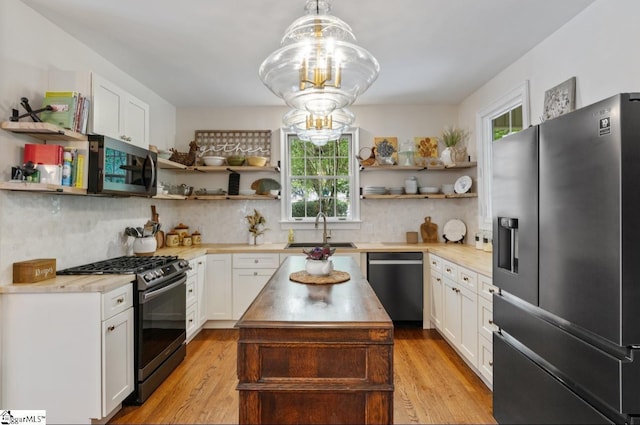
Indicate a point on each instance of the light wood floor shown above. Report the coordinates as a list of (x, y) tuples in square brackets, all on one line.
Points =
[(432, 384)]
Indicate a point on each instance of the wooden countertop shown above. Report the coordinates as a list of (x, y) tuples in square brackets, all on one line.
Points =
[(464, 255), (63, 284), (284, 303)]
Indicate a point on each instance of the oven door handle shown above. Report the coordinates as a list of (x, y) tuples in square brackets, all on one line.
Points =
[(151, 295)]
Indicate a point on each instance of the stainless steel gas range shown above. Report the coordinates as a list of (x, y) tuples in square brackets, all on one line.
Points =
[(160, 314)]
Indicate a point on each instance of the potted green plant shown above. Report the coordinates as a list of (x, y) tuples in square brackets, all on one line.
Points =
[(455, 140)]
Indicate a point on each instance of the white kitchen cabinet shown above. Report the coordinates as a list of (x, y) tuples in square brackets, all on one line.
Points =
[(68, 353), (218, 284), (486, 327), (249, 275), (485, 360), (461, 319), (118, 114), (436, 288), (196, 296)]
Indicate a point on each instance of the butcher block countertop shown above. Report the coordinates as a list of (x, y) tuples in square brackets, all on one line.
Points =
[(92, 283), (464, 255)]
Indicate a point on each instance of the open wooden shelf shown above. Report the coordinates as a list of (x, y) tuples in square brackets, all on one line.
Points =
[(216, 197), (42, 130), (422, 196), (459, 165), (170, 165), (41, 187)]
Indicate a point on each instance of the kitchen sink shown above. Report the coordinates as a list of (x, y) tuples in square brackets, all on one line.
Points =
[(312, 244)]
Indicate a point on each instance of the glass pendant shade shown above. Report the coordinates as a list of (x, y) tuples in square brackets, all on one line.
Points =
[(319, 68), (318, 129)]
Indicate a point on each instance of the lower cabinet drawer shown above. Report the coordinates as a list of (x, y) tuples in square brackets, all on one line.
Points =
[(117, 301)]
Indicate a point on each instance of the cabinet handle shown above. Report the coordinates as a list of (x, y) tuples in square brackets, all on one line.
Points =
[(490, 322), (491, 291), (199, 262), (255, 273), (491, 364), (433, 262), (448, 270), (457, 290), (190, 290), (256, 261), (111, 328), (120, 300), (190, 320), (437, 279), (466, 279)]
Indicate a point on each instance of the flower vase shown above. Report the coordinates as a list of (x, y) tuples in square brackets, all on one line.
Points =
[(447, 156), (459, 154), (319, 267), (251, 240)]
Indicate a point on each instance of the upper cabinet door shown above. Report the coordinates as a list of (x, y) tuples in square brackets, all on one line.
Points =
[(118, 114), (107, 108), (136, 122)]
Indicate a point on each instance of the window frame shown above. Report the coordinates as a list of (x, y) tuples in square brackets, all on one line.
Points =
[(519, 96), (288, 222)]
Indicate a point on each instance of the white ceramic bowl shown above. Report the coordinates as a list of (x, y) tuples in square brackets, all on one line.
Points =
[(213, 160), (448, 189), (429, 189), (246, 192), (164, 154)]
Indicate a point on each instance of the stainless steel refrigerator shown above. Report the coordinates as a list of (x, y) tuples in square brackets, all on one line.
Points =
[(566, 226)]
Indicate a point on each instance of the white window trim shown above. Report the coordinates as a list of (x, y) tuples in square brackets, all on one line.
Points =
[(516, 97), (309, 223)]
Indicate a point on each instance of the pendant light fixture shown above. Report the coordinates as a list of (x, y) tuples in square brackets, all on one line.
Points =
[(319, 68), (317, 129)]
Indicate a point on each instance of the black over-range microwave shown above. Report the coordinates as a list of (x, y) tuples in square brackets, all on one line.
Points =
[(121, 169)]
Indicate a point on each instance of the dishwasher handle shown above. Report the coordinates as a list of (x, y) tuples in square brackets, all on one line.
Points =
[(398, 262)]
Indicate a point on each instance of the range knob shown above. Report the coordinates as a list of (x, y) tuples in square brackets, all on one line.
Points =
[(183, 263), (148, 277)]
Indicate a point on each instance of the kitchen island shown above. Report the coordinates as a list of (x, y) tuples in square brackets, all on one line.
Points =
[(315, 353)]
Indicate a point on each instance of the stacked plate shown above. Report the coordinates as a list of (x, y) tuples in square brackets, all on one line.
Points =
[(395, 190), (374, 190)]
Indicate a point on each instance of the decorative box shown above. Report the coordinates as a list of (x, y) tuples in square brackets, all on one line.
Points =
[(32, 271)]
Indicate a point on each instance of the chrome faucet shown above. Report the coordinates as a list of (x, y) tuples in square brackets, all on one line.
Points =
[(324, 228)]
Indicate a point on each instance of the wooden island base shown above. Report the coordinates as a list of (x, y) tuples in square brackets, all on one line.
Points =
[(311, 354)]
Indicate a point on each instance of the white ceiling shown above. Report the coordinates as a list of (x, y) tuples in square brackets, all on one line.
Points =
[(207, 52)]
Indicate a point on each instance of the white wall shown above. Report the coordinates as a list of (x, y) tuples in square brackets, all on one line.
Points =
[(598, 47), (72, 229)]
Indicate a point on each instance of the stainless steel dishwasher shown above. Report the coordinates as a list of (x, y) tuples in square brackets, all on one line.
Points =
[(396, 278)]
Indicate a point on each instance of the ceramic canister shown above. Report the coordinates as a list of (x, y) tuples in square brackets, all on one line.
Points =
[(172, 240)]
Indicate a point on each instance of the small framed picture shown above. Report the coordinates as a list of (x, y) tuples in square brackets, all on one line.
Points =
[(560, 99), (387, 147), (426, 147)]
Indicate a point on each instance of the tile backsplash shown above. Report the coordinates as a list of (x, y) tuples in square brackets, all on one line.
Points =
[(80, 229)]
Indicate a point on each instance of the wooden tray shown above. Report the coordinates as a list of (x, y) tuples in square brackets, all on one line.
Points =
[(335, 276)]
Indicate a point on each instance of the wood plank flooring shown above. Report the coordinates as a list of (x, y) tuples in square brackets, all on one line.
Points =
[(432, 384)]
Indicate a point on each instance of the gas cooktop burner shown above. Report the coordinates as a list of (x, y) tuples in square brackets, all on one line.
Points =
[(120, 265)]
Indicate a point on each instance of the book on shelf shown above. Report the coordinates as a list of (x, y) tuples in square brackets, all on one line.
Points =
[(70, 110)]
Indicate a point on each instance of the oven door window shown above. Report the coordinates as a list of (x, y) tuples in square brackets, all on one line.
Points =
[(162, 321)]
